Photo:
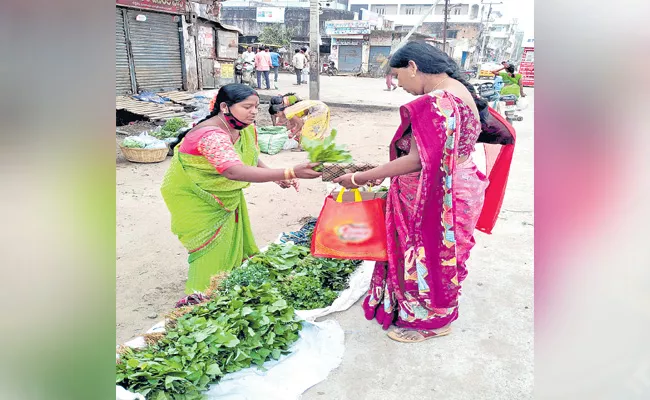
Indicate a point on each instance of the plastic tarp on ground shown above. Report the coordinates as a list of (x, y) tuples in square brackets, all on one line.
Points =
[(318, 351)]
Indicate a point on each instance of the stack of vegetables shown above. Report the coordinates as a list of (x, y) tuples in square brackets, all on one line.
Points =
[(237, 328), (248, 319)]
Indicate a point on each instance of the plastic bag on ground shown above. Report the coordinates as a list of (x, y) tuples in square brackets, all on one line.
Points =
[(290, 144), (271, 144)]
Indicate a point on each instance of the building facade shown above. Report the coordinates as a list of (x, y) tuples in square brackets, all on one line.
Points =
[(171, 45)]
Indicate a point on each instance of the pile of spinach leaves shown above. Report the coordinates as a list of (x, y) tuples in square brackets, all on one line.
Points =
[(304, 281), (248, 325)]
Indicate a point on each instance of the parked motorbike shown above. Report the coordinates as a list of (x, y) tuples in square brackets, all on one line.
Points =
[(330, 69), (469, 74), (505, 105), (245, 72)]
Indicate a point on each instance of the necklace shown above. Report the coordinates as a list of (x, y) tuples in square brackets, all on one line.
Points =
[(439, 83), (227, 127)]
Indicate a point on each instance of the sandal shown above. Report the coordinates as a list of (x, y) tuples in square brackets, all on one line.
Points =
[(398, 334)]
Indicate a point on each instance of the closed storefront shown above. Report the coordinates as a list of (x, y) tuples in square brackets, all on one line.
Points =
[(378, 54), (122, 68), (217, 52), (148, 46), (156, 49), (349, 56)]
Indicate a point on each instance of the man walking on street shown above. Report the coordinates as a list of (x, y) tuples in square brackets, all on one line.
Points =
[(305, 51), (298, 65), (263, 66), (275, 64)]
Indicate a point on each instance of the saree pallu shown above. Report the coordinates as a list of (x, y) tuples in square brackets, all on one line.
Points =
[(209, 213), (317, 118), (430, 219)]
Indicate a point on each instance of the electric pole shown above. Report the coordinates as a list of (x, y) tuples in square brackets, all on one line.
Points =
[(314, 47), (444, 27), (487, 22)]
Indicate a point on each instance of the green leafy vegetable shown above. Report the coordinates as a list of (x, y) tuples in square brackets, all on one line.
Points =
[(170, 129), (133, 143), (248, 325), (326, 151), (304, 281)]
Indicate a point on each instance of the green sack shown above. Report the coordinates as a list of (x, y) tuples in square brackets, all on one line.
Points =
[(271, 130), (271, 144)]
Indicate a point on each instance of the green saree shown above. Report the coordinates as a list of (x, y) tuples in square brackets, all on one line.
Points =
[(209, 213), (511, 85)]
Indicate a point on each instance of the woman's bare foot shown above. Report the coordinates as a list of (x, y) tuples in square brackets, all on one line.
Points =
[(414, 336)]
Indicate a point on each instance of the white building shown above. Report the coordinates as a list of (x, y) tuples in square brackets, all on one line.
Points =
[(407, 13), (335, 4)]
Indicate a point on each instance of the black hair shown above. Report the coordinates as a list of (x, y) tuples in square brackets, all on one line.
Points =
[(230, 94), (297, 50), (511, 70), (303, 48), (432, 60), (277, 103), (267, 48)]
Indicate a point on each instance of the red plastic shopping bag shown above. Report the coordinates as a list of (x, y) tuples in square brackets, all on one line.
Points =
[(351, 230)]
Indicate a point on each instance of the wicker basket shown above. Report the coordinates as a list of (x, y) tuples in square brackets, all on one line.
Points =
[(333, 171), (144, 155)]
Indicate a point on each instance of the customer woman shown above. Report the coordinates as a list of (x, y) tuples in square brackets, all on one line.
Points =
[(203, 188), (511, 81), (434, 201), (303, 118)]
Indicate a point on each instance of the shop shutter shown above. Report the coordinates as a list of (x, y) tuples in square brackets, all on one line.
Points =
[(156, 48), (122, 73)]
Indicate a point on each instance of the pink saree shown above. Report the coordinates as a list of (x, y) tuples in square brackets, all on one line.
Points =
[(430, 220)]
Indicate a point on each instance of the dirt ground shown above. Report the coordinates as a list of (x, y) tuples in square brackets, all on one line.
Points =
[(152, 264), (489, 354)]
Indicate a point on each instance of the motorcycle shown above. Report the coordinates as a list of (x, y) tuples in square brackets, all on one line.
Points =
[(244, 71), (469, 74), (330, 69), (505, 105)]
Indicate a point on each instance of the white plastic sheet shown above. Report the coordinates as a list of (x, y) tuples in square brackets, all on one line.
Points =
[(317, 352)]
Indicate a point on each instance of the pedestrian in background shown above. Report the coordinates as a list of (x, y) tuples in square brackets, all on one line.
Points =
[(305, 71), (299, 65), (275, 65), (388, 73), (263, 66)]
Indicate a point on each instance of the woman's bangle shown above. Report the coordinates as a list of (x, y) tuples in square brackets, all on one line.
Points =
[(286, 174), (292, 173), (352, 179)]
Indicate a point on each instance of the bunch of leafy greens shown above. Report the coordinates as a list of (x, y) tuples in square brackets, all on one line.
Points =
[(304, 281), (171, 128), (132, 143), (326, 151), (248, 325)]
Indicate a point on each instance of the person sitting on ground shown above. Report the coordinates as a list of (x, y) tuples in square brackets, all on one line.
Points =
[(303, 118)]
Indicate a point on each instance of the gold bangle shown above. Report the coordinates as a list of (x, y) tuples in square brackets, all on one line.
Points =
[(292, 173), (286, 174)]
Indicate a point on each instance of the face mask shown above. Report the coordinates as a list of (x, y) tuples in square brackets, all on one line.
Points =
[(233, 121)]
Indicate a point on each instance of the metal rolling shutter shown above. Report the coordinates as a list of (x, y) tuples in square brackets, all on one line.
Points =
[(122, 73), (156, 48), (350, 58)]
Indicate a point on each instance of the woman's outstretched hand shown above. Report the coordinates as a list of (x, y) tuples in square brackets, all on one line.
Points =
[(346, 181), (306, 171)]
